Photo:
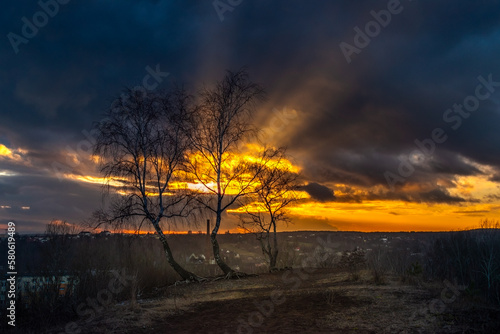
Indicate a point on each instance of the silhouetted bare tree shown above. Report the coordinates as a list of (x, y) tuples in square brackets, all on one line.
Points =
[(276, 190), (487, 247), (222, 122), (59, 234), (60, 227), (142, 144)]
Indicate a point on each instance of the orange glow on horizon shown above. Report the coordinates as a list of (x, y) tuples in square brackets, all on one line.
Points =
[(354, 209)]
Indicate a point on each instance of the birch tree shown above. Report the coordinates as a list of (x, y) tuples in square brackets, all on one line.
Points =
[(223, 121), (142, 144)]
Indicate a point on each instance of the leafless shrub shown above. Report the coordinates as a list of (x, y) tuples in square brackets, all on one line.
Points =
[(378, 265), (325, 257), (353, 261)]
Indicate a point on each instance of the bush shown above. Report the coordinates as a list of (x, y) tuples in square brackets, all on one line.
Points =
[(353, 262)]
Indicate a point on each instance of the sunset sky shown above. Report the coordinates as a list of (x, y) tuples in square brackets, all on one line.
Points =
[(389, 109)]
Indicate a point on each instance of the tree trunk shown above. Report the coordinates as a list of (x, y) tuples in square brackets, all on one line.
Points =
[(186, 275), (220, 262), (215, 246), (274, 251), (267, 250), (272, 262)]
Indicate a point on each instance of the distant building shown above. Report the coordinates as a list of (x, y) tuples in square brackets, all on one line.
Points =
[(84, 234), (29, 285), (193, 259)]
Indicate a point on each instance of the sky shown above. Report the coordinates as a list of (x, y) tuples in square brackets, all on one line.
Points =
[(389, 108)]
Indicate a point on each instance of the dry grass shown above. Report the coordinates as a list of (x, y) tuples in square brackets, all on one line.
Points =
[(324, 301)]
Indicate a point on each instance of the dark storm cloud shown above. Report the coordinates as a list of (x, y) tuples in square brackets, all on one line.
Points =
[(45, 198), (425, 194), (397, 90), (319, 192), (492, 197), (495, 178), (355, 120), (367, 167), (439, 196)]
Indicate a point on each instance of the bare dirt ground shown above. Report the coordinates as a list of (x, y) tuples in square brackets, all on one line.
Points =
[(299, 301)]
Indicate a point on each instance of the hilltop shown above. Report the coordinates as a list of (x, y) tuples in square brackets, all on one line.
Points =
[(299, 301)]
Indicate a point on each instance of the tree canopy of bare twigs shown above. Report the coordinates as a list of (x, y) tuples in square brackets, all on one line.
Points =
[(267, 207), (60, 227), (142, 144)]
